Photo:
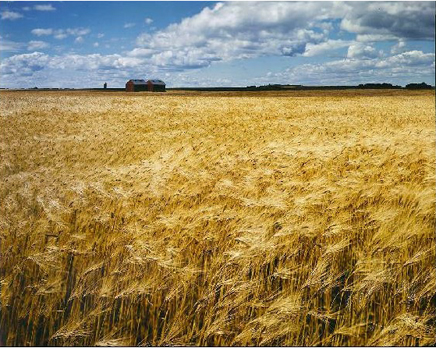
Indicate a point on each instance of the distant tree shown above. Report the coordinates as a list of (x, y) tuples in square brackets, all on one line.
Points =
[(378, 86), (422, 85)]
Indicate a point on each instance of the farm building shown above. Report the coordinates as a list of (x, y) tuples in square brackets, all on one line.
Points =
[(156, 85), (136, 85)]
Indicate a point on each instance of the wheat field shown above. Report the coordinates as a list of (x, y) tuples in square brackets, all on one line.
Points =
[(237, 219)]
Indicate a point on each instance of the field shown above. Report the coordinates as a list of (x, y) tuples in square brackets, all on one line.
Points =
[(288, 218)]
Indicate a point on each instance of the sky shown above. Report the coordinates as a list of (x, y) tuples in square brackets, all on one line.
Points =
[(81, 44)]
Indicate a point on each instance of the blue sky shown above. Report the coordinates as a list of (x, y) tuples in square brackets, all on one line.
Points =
[(84, 44)]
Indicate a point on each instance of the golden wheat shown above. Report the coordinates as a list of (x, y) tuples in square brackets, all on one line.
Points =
[(297, 218)]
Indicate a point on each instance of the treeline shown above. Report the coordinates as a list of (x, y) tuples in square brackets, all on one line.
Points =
[(379, 86), (384, 85), (422, 85), (279, 87)]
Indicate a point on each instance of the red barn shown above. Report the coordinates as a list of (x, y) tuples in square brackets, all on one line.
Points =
[(136, 85), (156, 85)]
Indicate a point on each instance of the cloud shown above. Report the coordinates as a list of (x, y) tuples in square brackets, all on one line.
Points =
[(79, 39), (362, 51), (236, 30), (399, 47), (96, 44), (324, 47), (37, 45), (10, 46), (44, 8), (42, 32), (61, 33), (378, 21), (129, 25), (78, 31), (148, 21), (10, 15), (92, 62), (26, 8), (407, 59), (23, 65), (100, 35), (244, 30)]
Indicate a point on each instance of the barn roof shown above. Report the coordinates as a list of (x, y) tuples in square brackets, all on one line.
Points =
[(157, 82), (138, 82)]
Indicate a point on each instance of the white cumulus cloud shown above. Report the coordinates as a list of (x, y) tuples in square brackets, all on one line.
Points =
[(9, 46), (387, 20), (359, 50), (399, 47), (324, 47), (78, 31), (44, 8), (61, 33), (37, 45), (236, 30), (243, 30), (42, 32), (10, 15)]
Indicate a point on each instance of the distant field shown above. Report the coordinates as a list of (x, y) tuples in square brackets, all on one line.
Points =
[(217, 218)]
